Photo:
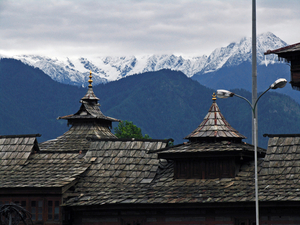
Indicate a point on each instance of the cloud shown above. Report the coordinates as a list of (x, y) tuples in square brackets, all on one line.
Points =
[(132, 27)]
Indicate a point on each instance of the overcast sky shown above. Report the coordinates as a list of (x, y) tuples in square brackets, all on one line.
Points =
[(58, 28)]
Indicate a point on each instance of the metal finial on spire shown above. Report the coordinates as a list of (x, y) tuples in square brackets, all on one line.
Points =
[(90, 80), (214, 97)]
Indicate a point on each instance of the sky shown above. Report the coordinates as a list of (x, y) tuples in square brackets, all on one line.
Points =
[(90, 28)]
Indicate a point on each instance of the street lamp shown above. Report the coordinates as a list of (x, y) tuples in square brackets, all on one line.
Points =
[(280, 83)]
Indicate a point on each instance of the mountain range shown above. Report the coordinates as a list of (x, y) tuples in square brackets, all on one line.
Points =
[(75, 71), (165, 95), (164, 104)]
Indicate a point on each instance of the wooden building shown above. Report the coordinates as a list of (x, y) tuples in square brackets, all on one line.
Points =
[(290, 54), (88, 176)]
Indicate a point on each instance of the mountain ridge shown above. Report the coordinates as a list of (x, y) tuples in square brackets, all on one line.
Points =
[(164, 104), (107, 69)]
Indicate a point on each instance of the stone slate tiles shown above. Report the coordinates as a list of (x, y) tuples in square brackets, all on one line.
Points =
[(15, 150), (116, 171), (223, 146), (115, 179), (117, 168), (22, 164), (279, 178), (76, 138), (215, 125), (126, 172), (46, 170), (164, 189)]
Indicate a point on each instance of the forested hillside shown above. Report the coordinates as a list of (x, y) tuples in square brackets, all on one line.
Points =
[(164, 104)]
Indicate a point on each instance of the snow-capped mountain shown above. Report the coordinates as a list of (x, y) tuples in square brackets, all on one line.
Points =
[(105, 69)]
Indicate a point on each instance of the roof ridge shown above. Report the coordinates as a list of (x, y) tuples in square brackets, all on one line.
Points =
[(20, 135)]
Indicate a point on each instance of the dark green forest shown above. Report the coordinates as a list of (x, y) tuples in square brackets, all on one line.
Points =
[(164, 104)]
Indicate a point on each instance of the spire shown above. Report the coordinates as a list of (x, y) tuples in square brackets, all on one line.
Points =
[(90, 95), (214, 97), (89, 110), (90, 80), (214, 126)]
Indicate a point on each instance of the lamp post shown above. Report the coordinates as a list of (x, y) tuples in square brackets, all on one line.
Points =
[(280, 83)]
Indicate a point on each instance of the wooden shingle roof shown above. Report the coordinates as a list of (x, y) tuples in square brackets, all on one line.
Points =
[(76, 138), (131, 176), (89, 109), (214, 125), (22, 164), (15, 150), (280, 173), (124, 172), (117, 167), (45, 170), (210, 148)]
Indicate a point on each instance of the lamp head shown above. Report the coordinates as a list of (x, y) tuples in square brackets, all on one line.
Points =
[(224, 93), (280, 83)]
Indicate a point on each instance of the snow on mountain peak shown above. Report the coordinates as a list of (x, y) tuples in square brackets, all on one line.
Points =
[(105, 69)]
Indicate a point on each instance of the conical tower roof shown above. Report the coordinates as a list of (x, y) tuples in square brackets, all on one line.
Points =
[(89, 109), (89, 121), (214, 126)]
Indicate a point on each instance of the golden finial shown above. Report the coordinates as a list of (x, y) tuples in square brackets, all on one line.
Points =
[(214, 97), (90, 80)]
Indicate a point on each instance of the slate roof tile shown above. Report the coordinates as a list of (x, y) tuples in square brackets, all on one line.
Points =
[(27, 166)]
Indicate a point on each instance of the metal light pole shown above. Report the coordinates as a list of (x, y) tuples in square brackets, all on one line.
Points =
[(280, 83), (254, 68), (254, 102)]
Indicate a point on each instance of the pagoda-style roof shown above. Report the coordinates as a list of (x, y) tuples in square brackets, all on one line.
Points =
[(89, 109), (88, 122), (214, 126)]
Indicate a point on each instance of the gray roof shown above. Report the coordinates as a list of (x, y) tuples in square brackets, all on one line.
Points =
[(89, 109), (15, 150), (211, 147), (214, 125), (23, 165), (125, 172), (77, 138), (129, 172), (280, 174), (118, 167), (130, 175)]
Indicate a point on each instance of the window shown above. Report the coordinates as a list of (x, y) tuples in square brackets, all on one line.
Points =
[(33, 210), (53, 210), (204, 168), (37, 210)]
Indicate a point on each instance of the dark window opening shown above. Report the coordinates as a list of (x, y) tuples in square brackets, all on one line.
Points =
[(36, 210), (204, 169), (53, 210)]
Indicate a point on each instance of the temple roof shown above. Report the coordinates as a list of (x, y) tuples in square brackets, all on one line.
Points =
[(88, 122), (22, 164), (215, 148), (214, 125), (89, 108)]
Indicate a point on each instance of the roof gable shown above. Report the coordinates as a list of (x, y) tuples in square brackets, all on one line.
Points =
[(16, 149), (22, 164)]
